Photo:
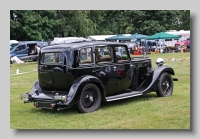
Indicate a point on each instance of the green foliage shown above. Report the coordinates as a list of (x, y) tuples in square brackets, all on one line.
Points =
[(47, 24), (185, 18), (33, 25)]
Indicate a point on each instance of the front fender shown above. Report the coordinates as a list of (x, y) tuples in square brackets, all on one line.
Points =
[(76, 88), (155, 76)]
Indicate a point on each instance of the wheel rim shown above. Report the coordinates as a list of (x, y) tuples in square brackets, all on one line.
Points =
[(165, 85), (89, 98)]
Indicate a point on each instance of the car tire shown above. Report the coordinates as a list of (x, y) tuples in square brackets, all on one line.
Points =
[(90, 99), (165, 85)]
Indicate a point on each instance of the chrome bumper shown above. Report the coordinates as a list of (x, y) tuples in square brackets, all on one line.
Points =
[(26, 95), (29, 98)]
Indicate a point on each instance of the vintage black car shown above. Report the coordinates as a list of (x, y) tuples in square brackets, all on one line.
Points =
[(85, 73)]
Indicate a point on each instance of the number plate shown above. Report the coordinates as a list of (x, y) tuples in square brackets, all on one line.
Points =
[(45, 105)]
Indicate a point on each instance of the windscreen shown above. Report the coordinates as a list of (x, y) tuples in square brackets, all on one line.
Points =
[(13, 45)]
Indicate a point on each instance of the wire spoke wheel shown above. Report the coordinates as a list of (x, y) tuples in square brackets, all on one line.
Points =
[(165, 85), (90, 99)]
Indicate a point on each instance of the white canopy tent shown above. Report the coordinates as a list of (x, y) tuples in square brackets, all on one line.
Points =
[(181, 32), (102, 37)]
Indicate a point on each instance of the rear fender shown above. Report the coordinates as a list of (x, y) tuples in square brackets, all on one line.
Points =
[(78, 85), (156, 74), (35, 87), (34, 91)]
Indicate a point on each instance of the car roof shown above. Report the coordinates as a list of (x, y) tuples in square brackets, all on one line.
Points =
[(77, 45), (28, 42)]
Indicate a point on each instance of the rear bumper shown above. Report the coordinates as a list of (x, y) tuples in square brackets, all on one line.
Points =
[(46, 101)]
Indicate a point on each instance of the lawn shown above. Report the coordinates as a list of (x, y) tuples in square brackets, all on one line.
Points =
[(142, 112)]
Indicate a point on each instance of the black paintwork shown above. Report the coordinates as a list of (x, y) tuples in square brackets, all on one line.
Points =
[(115, 79)]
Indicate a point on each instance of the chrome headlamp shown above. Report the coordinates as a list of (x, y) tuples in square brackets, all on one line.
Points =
[(159, 62)]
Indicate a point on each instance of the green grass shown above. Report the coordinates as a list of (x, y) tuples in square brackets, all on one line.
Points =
[(142, 112)]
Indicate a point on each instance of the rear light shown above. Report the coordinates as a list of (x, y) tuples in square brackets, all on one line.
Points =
[(35, 104), (52, 105)]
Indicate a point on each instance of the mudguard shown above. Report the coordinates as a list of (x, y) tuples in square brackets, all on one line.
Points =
[(33, 92), (155, 76), (76, 88), (35, 87)]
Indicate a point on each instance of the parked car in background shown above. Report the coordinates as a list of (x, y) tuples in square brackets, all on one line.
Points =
[(12, 45), (27, 48), (84, 74), (13, 41)]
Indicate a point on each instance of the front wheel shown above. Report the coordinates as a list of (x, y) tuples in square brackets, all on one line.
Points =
[(165, 85), (90, 99)]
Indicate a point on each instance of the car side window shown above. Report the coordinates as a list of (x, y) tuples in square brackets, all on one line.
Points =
[(55, 57), (103, 54), (86, 56), (121, 53), (20, 48)]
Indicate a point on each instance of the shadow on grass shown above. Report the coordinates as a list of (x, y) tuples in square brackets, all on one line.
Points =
[(135, 99), (69, 111), (104, 105)]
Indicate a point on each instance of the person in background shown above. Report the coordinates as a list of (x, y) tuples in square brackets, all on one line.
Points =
[(41, 46), (37, 48), (143, 50), (188, 44)]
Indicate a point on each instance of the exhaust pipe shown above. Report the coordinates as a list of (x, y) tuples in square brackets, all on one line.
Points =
[(59, 108)]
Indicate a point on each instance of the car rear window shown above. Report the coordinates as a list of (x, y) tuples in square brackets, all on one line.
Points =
[(52, 57)]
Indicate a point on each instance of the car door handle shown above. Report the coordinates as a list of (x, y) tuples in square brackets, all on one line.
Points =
[(94, 71), (114, 67)]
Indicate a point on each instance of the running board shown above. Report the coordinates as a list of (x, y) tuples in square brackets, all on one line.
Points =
[(125, 95)]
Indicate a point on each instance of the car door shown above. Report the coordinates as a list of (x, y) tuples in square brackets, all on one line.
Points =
[(21, 50), (52, 71), (123, 67), (86, 62), (106, 69)]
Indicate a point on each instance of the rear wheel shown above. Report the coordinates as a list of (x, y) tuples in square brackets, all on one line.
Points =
[(90, 99), (165, 85)]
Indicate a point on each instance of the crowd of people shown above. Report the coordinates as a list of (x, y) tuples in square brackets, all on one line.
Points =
[(140, 47)]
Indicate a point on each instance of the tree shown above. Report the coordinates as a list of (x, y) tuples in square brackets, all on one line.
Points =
[(185, 20), (33, 25), (75, 23), (152, 21), (47, 24)]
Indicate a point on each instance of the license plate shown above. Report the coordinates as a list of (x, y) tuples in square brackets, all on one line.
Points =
[(45, 105)]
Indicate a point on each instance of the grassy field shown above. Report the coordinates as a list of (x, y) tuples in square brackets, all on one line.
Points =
[(142, 112)]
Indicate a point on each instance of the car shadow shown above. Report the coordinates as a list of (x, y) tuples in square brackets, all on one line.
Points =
[(125, 101)]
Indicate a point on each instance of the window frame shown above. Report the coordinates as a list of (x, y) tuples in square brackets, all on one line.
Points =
[(127, 53), (16, 50), (92, 57), (52, 63), (112, 54)]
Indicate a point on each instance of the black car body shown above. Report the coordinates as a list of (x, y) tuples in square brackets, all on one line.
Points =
[(84, 74)]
